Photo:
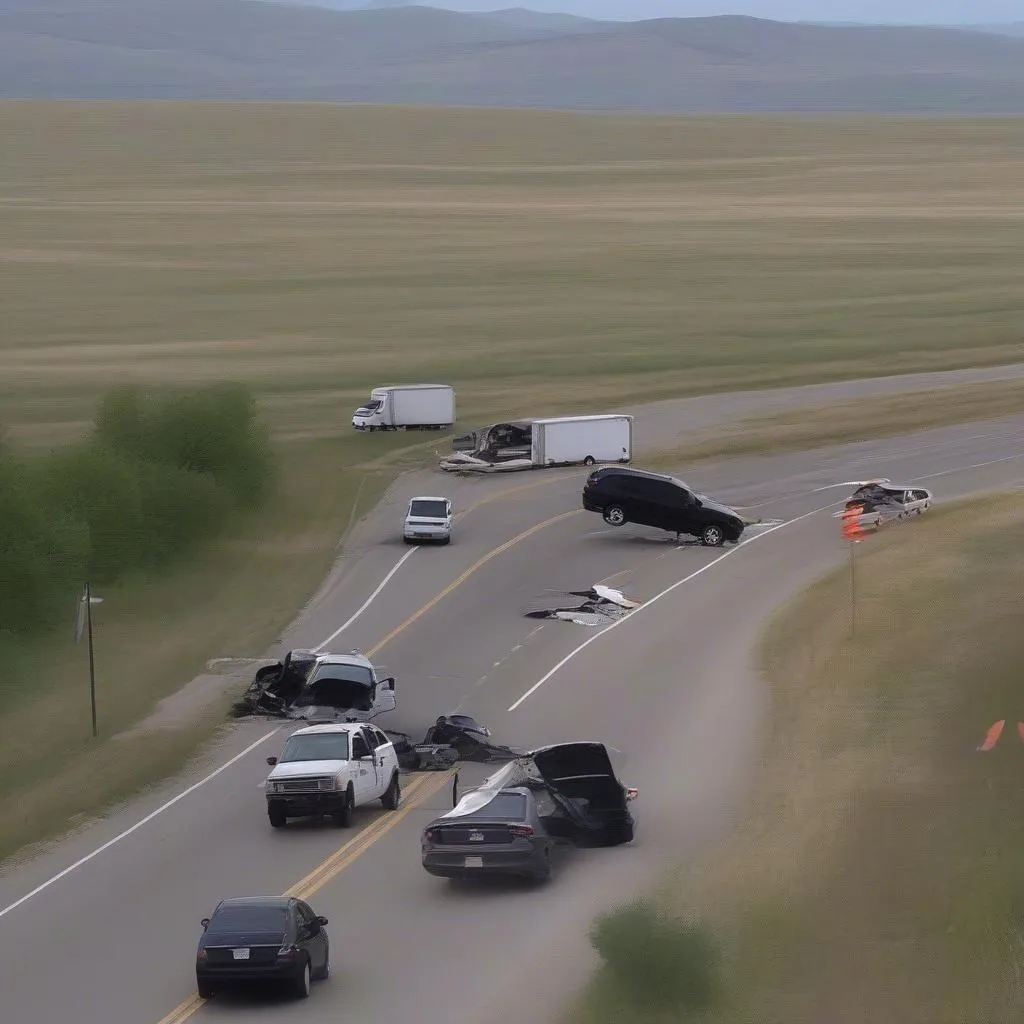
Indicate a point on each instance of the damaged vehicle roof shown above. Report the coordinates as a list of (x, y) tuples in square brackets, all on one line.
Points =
[(581, 779)]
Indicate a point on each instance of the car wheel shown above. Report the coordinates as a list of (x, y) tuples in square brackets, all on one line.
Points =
[(278, 819), (390, 800), (590, 461), (303, 980), (712, 536), (206, 990), (614, 515), (343, 818)]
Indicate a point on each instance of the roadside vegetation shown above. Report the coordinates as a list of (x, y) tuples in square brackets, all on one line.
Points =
[(541, 262), (878, 875), (844, 422)]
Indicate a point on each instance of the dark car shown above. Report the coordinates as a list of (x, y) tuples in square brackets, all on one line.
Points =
[(626, 495), (582, 781), (262, 938), (565, 794), (491, 832)]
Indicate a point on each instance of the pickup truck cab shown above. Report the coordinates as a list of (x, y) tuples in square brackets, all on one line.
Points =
[(332, 770), (428, 518)]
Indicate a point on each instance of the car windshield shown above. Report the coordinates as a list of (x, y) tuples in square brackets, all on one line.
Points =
[(432, 509), (324, 746), (238, 917), (506, 806), (342, 674)]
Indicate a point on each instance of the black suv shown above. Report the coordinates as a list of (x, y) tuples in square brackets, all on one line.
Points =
[(624, 495)]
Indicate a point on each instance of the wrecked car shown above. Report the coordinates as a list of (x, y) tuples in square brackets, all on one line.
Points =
[(276, 686), (601, 606), (450, 739), (567, 793), (883, 500), (625, 495), (330, 688)]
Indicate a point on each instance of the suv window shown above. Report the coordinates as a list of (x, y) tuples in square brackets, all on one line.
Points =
[(359, 747), (666, 493), (379, 739)]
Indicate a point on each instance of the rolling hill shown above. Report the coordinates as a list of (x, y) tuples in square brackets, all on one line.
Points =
[(247, 49)]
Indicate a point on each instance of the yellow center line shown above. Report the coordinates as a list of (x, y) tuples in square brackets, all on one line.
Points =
[(424, 787), (459, 580)]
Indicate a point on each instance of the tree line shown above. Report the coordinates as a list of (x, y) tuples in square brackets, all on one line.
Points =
[(157, 475)]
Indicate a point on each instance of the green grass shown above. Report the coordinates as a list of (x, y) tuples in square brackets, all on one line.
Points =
[(542, 262), (843, 422), (878, 876)]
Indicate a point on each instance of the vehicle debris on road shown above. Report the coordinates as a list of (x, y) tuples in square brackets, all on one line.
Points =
[(601, 605)]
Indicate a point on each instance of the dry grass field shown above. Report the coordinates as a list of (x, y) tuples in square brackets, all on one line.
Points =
[(542, 262), (878, 876)]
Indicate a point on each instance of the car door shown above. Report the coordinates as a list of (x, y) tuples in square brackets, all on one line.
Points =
[(669, 509), (635, 495), (311, 936), (365, 763), (381, 750), (384, 698)]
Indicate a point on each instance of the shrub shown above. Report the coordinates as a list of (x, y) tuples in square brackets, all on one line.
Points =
[(158, 476), (211, 431), (42, 553), (657, 961)]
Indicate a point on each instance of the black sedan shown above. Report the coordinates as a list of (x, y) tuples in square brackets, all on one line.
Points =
[(563, 794), (262, 938), (492, 832)]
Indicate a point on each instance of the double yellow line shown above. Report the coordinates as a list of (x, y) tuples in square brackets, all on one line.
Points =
[(421, 789)]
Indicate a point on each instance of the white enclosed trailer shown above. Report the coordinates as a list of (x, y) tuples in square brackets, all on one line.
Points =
[(572, 440), (532, 444), (408, 406)]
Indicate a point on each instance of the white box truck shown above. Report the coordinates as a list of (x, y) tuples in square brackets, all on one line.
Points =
[(407, 406), (531, 444)]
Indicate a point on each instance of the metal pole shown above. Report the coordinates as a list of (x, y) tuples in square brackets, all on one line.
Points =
[(853, 591), (92, 663)]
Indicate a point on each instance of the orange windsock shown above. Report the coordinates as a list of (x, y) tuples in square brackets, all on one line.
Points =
[(993, 734), (851, 522)]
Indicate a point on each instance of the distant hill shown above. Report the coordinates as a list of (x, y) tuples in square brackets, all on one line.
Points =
[(247, 49)]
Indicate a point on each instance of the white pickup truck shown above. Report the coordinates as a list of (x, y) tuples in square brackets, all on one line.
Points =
[(332, 770)]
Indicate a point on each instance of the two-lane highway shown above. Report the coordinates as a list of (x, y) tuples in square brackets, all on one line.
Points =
[(671, 685)]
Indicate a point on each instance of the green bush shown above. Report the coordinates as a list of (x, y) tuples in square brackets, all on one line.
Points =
[(212, 431), (159, 475), (43, 553), (656, 961)]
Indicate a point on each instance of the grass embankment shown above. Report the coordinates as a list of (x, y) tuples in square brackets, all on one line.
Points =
[(879, 874), (540, 261), (844, 422)]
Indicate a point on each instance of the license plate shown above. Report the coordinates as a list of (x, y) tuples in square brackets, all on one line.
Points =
[(474, 862), (240, 954)]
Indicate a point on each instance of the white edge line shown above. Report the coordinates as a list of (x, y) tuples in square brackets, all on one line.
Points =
[(366, 604), (657, 597), (128, 831)]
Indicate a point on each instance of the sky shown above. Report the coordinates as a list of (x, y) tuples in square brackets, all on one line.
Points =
[(918, 12)]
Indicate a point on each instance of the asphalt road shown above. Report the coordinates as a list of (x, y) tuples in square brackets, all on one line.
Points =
[(111, 941)]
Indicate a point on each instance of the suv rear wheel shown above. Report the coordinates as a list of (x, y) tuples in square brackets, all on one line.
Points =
[(614, 515)]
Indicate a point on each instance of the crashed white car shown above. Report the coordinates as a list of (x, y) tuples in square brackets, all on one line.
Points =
[(428, 519), (883, 500)]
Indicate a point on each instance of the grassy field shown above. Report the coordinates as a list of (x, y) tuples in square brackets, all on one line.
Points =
[(842, 422), (879, 875), (541, 262)]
